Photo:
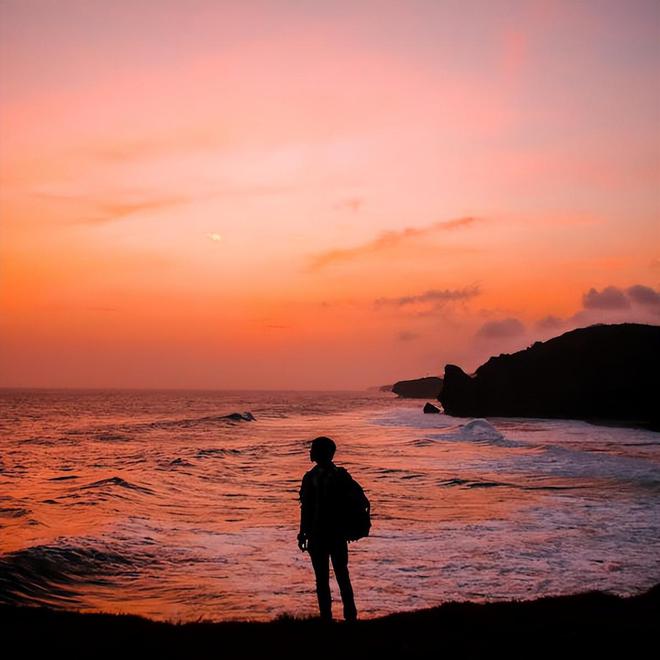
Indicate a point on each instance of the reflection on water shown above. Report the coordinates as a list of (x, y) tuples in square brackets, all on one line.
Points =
[(156, 503)]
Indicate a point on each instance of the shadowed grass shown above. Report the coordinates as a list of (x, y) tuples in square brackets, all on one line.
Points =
[(569, 626)]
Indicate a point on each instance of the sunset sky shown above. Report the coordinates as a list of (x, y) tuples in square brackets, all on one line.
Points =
[(306, 194)]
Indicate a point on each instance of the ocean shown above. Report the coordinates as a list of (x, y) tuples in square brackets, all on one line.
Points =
[(155, 503)]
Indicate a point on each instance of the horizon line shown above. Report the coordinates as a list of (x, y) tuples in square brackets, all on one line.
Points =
[(182, 389)]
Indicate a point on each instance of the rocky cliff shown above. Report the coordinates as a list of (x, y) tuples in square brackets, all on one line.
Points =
[(607, 372), (419, 388)]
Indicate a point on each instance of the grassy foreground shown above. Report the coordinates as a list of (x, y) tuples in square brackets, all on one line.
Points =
[(579, 625)]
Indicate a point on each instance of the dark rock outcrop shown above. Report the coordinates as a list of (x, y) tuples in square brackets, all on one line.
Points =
[(430, 408), (429, 387), (606, 372), (458, 392)]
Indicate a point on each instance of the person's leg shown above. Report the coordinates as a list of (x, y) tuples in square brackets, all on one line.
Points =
[(320, 555), (339, 556)]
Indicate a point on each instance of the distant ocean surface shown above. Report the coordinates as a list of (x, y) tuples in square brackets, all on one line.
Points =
[(153, 503)]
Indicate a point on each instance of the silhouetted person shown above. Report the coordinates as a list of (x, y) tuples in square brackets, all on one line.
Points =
[(321, 531)]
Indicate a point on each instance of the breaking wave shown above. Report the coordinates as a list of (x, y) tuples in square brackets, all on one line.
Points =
[(477, 430), (57, 574)]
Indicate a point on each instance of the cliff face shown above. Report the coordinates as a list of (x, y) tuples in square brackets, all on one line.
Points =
[(599, 372), (429, 387)]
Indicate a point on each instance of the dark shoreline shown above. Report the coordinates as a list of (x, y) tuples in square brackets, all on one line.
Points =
[(579, 623)]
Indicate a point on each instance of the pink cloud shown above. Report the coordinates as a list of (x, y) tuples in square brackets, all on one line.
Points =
[(387, 241)]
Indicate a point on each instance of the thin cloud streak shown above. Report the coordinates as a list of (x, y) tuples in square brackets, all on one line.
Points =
[(437, 296), (386, 241), (101, 211)]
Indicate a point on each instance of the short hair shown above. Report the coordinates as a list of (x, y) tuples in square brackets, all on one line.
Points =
[(323, 449)]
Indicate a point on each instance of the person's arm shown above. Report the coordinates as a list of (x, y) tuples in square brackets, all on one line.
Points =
[(305, 513)]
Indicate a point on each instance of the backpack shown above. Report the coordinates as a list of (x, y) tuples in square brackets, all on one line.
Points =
[(355, 511)]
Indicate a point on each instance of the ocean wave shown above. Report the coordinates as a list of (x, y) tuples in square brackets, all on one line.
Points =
[(399, 473), (413, 418), (479, 431), (58, 573), (477, 483), (13, 512), (112, 437), (49, 441), (216, 451), (589, 464), (177, 462), (116, 481), (469, 483), (187, 422)]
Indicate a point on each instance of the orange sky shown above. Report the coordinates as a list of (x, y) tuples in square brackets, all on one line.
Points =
[(319, 195)]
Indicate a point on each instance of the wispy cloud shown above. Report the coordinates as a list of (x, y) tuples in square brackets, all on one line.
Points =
[(386, 241), (353, 204), (435, 296), (96, 210), (182, 139)]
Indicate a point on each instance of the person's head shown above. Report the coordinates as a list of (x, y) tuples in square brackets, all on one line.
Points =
[(322, 450)]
